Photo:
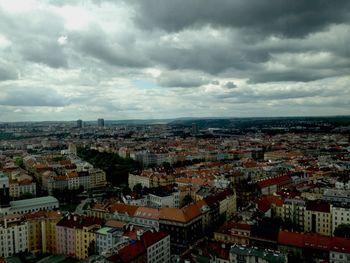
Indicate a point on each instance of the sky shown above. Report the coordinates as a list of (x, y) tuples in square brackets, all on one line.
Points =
[(68, 60)]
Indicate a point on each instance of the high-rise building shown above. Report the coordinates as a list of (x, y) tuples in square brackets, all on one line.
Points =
[(79, 123), (194, 129), (100, 122)]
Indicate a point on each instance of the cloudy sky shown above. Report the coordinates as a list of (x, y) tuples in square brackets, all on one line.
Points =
[(67, 60)]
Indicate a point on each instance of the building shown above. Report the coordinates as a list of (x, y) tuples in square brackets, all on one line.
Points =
[(147, 217), (134, 252), (150, 179), (194, 129), (100, 122), (107, 238), (164, 199), (294, 211), (33, 205), (13, 235), (274, 184), (336, 196), (85, 243), (21, 187), (42, 231), (97, 178), (233, 233), (148, 247), (243, 254), (79, 124), (184, 226), (308, 247), (340, 215), (157, 246), (76, 236), (318, 218)]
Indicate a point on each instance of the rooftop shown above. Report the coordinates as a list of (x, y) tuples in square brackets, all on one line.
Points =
[(269, 256), (33, 202)]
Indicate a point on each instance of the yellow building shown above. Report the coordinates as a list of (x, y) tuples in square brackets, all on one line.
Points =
[(318, 218), (42, 231), (85, 241)]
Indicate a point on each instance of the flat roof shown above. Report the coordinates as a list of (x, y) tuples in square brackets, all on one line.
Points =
[(103, 230), (33, 202)]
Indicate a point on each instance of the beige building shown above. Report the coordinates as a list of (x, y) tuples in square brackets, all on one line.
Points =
[(150, 179), (318, 218), (233, 233), (340, 215)]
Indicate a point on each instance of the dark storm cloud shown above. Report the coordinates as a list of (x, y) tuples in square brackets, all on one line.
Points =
[(35, 35), (286, 18), (181, 79), (117, 52), (206, 57), (230, 85), (7, 72), (31, 96), (46, 52)]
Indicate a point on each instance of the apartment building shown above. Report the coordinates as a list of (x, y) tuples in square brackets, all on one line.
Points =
[(340, 215), (318, 218), (42, 231), (184, 226), (13, 235), (76, 235), (233, 233)]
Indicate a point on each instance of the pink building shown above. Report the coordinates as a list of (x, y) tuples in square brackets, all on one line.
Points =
[(65, 235)]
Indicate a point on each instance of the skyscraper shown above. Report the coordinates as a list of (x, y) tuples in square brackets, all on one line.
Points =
[(100, 122), (79, 123), (194, 129)]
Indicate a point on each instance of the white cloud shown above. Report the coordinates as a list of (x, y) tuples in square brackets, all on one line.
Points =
[(83, 60)]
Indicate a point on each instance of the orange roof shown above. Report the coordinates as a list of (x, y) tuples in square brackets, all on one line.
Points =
[(44, 214), (184, 215), (273, 181), (115, 224), (72, 174), (145, 212), (123, 208)]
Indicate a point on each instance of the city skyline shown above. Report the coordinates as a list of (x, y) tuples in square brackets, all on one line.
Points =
[(120, 60)]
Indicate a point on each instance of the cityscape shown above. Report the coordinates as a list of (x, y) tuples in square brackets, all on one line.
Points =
[(174, 131)]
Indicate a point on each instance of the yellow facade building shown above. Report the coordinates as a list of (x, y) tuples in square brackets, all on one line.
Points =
[(42, 231), (85, 240), (318, 218)]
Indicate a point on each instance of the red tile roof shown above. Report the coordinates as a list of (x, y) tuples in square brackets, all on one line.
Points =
[(274, 181), (123, 208), (149, 238), (184, 215), (316, 241), (318, 206), (129, 253)]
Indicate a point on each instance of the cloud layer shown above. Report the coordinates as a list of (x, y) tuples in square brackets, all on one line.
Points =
[(161, 59)]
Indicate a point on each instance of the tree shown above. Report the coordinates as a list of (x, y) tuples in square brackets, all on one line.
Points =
[(137, 188), (126, 190), (19, 162), (343, 230), (187, 200), (92, 248)]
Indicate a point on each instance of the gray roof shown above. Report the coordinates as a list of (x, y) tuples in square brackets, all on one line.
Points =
[(267, 255), (33, 202)]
